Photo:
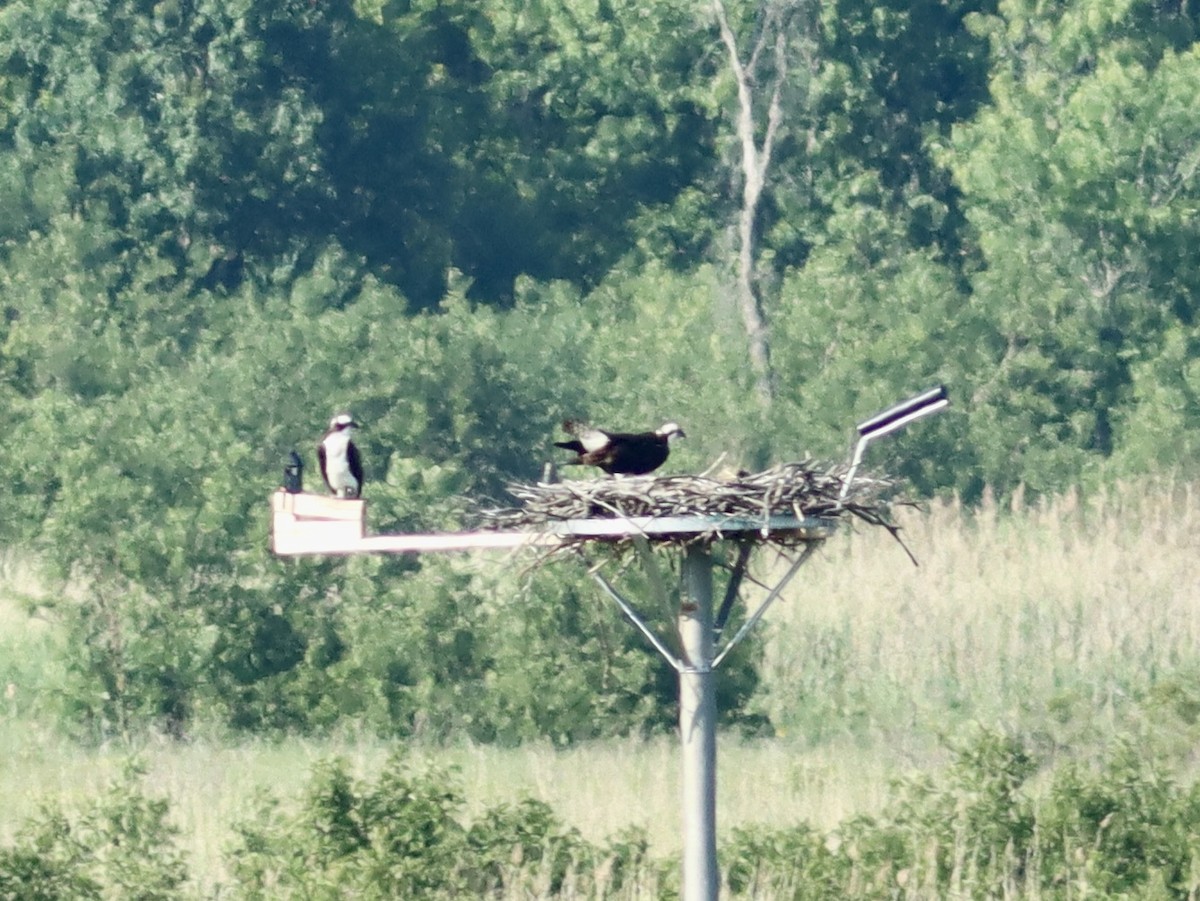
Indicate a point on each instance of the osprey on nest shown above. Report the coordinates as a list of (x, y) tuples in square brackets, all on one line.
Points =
[(341, 463), (620, 453)]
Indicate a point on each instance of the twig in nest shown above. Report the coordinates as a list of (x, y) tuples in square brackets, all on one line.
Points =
[(802, 490)]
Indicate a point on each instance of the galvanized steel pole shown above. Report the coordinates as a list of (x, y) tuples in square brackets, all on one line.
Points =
[(698, 728)]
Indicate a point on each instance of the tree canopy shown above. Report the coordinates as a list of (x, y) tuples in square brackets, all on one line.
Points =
[(223, 220)]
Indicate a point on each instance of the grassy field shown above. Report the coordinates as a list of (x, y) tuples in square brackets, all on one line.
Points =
[(1065, 619), (598, 788), (1071, 621)]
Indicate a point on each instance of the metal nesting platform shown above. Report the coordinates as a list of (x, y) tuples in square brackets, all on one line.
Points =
[(311, 524), (314, 524), (609, 513)]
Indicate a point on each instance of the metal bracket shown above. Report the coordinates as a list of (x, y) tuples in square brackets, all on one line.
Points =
[(762, 608), (636, 619), (667, 654), (745, 548)]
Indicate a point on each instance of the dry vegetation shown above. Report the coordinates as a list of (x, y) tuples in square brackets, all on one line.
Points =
[(1054, 615), (1067, 619), (800, 489)]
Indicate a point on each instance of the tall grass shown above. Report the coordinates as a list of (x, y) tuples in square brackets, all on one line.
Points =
[(600, 789), (1059, 618), (1071, 619)]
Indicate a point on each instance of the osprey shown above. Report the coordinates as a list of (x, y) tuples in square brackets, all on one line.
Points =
[(620, 453), (341, 464)]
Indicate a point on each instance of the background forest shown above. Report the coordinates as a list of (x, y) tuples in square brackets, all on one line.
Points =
[(221, 221)]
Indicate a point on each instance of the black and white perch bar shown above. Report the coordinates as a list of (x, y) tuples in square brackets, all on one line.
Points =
[(306, 524), (893, 419)]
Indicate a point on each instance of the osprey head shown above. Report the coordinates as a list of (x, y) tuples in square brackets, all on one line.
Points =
[(671, 430), (342, 422)]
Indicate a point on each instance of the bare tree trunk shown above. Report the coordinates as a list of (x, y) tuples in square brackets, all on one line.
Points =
[(750, 306), (755, 161)]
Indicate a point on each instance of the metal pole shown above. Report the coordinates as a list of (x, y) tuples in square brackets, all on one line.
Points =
[(698, 728)]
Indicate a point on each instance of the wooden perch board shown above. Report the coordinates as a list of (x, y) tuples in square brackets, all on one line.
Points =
[(316, 524), (313, 523)]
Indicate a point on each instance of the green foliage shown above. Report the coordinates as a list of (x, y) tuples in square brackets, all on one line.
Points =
[(403, 835), (865, 323), (877, 86), (760, 861), (209, 138), (602, 678), (222, 221), (979, 821), (1131, 824), (1125, 830), (1081, 203), (997, 822), (121, 845)]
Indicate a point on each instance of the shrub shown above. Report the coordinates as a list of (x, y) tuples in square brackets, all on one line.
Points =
[(404, 836), (121, 846)]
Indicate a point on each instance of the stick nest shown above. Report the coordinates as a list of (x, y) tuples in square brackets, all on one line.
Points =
[(802, 489)]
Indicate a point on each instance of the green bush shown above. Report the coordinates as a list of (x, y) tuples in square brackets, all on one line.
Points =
[(1124, 829), (122, 845), (404, 836)]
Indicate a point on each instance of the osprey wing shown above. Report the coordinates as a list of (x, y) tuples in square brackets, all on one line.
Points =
[(354, 461), (321, 463), (636, 454), (588, 437)]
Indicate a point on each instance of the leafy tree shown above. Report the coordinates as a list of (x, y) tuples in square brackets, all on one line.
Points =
[(783, 39), (1079, 188), (1127, 818), (866, 322), (832, 111), (211, 137), (599, 120)]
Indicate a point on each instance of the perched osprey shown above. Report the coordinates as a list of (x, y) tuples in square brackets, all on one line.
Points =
[(620, 453), (341, 464)]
